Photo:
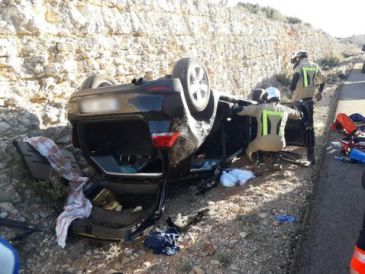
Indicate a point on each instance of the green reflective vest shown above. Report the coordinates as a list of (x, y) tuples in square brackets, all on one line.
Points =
[(309, 74), (266, 114)]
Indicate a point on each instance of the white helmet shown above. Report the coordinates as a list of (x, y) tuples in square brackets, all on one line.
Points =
[(272, 93), (298, 55)]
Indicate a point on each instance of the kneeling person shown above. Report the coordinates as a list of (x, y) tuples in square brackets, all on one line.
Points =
[(271, 119)]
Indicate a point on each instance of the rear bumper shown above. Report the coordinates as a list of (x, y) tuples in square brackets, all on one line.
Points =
[(158, 98)]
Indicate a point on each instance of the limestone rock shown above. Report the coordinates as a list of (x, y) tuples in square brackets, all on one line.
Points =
[(53, 17), (4, 127), (52, 70)]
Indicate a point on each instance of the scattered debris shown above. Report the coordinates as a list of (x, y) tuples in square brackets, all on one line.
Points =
[(353, 143), (77, 206), (163, 242), (285, 219), (243, 234), (232, 177), (9, 259), (182, 223)]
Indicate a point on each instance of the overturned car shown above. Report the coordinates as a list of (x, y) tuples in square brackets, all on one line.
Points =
[(142, 136)]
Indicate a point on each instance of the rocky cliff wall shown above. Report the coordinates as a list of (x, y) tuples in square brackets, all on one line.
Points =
[(48, 47)]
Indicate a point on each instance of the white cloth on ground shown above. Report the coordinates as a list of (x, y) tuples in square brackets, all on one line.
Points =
[(77, 205), (232, 177)]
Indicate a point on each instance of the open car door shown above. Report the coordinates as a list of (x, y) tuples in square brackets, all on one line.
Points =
[(122, 209), (301, 132)]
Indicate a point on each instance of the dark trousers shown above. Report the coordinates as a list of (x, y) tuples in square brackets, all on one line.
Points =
[(361, 240), (307, 108)]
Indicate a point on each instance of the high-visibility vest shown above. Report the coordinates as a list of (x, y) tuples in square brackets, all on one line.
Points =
[(357, 265), (309, 74), (266, 116)]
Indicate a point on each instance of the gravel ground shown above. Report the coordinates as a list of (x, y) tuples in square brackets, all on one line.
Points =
[(238, 234)]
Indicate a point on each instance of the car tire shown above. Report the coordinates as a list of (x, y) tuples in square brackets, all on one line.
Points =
[(195, 82), (363, 67), (97, 81)]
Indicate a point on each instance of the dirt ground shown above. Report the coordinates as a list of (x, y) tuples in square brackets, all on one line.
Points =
[(237, 235)]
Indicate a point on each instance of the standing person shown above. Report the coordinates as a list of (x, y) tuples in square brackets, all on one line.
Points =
[(271, 119), (307, 75), (357, 265)]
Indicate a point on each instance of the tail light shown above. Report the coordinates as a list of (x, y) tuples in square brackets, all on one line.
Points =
[(166, 139)]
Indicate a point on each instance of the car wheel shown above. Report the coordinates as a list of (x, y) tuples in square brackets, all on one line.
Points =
[(363, 67), (195, 82), (97, 81)]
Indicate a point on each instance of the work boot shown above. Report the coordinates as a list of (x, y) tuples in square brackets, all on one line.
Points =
[(259, 161), (276, 163)]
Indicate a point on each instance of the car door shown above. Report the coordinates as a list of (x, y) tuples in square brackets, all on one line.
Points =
[(295, 132)]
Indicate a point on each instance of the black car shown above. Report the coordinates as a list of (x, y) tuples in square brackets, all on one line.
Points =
[(145, 135)]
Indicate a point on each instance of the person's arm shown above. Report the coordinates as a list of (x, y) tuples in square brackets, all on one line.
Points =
[(250, 110), (294, 82), (293, 114), (320, 79)]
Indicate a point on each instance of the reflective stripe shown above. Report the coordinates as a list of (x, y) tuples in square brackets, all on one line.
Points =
[(360, 256), (357, 265), (265, 116), (305, 75)]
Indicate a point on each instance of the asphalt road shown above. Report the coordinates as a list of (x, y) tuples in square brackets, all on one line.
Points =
[(338, 201)]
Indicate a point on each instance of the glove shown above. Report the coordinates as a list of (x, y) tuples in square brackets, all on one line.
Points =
[(236, 109), (318, 96)]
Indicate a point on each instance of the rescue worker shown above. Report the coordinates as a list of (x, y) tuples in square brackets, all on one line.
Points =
[(307, 75), (271, 121), (357, 265)]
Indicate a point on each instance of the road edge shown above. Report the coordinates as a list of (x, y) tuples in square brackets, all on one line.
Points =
[(297, 239)]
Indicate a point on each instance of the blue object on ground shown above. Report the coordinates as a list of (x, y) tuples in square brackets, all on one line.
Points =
[(9, 259), (357, 117), (285, 218), (357, 155), (163, 242)]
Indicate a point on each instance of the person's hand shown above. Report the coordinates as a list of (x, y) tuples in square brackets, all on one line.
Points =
[(236, 109), (318, 96)]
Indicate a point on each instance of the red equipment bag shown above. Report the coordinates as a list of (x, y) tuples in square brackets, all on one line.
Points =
[(345, 124)]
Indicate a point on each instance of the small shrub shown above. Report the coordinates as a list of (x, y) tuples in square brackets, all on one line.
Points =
[(330, 62), (273, 14), (253, 8), (293, 20), (268, 12)]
